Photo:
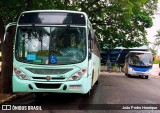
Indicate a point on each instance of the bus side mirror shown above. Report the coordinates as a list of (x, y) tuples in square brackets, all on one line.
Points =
[(6, 34), (6, 37)]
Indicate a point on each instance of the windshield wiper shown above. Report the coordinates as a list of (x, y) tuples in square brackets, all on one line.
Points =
[(143, 63), (64, 30)]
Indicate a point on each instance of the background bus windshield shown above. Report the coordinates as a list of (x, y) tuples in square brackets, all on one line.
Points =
[(140, 59), (51, 45)]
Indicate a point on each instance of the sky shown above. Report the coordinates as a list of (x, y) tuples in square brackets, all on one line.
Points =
[(151, 32)]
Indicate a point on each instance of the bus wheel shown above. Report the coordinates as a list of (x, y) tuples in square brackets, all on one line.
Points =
[(87, 94), (38, 95), (97, 82), (97, 78), (128, 75)]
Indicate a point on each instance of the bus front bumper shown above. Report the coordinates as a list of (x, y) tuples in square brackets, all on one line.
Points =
[(137, 73), (80, 86)]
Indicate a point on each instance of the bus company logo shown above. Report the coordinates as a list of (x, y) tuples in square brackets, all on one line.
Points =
[(6, 107), (48, 78)]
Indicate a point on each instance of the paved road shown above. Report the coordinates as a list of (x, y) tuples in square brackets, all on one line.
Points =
[(113, 88)]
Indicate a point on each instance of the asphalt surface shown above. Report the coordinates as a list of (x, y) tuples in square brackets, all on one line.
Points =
[(114, 91)]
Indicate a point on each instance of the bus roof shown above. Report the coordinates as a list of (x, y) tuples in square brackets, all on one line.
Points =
[(50, 17), (65, 11)]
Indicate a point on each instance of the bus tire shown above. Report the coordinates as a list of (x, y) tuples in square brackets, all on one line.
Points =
[(146, 77), (129, 75), (92, 79), (97, 82), (97, 78), (87, 94)]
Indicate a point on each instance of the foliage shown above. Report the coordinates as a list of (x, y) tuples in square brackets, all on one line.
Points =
[(153, 51), (157, 40), (156, 61), (10, 10), (156, 43), (158, 34), (116, 22)]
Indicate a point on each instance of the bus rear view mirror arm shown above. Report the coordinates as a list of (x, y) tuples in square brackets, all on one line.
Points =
[(6, 37), (6, 34)]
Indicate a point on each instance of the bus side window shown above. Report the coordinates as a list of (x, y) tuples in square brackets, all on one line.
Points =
[(89, 44), (91, 38)]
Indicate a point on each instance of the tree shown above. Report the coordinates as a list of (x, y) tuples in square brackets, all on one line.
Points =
[(123, 22), (153, 51), (116, 22), (156, 43), (7, 62), (157, 40), (156, 61), (10, 10)]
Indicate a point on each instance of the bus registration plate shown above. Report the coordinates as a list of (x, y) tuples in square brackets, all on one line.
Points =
[(140, 73)]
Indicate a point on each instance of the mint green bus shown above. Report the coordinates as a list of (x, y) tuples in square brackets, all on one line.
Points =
[(55, 51)]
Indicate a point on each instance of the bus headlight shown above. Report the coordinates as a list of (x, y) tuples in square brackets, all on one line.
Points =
[(130, 69), (20, 74), (78, 75)]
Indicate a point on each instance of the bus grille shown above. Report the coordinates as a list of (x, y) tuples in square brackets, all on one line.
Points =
[(44, 78), (49, 71), (47, 86)]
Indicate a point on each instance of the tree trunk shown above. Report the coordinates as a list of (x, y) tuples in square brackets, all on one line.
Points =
[(7, 54), (7, 61), (1, 38)]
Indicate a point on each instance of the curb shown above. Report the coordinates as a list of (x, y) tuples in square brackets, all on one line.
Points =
[(155, 76), (13, 97)]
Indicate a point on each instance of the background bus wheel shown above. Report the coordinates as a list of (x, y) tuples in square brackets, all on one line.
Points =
[(38, 95), (128, 75), (146, 77)]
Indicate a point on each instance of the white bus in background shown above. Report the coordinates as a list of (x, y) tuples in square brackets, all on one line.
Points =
[(138, 63)]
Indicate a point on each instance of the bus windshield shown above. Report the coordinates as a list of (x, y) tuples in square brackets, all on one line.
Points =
[(51, 45), (140, 59)]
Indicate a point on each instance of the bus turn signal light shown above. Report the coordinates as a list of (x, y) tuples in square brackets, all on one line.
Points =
[(20, 74)]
